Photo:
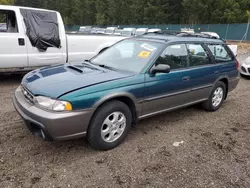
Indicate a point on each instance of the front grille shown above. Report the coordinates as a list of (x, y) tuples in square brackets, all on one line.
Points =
[(28, 96), (249, 70), (243, 69)]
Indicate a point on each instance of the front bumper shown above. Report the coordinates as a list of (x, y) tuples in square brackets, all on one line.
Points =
[(51, 125)]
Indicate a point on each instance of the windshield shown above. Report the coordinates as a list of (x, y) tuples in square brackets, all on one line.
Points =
[(129, 55)]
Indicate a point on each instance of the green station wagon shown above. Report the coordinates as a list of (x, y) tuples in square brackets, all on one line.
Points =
[(132, 80)]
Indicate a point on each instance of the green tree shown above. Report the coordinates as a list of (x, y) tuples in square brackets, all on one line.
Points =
[(6, 2), (120, 12), (157, 12), (101, 11)]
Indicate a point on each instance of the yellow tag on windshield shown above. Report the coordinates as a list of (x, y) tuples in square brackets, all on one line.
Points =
[(144, 54)]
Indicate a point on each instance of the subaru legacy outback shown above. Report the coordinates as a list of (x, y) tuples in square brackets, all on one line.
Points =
[(132, 80)]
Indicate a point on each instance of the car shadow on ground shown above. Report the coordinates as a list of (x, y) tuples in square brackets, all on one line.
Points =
[(245, 77), (144, 127), (10, 78), (161, 122)]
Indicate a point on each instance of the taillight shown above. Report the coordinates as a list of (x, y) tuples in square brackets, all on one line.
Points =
[(237, 64)]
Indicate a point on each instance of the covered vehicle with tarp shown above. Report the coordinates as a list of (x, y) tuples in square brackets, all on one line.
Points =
[(33, 38), (42, 28)]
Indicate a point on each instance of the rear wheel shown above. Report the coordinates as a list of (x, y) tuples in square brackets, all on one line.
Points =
[(216, 98), (110, 125)]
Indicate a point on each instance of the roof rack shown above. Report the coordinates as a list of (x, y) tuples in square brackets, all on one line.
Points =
[(185, 34), (165, 32), (198, 35)]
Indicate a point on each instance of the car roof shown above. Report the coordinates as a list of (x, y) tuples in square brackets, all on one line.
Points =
[(185, 38)]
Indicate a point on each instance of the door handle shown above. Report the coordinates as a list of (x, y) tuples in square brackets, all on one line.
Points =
[(186, 78), (216, 72), (21, 42)]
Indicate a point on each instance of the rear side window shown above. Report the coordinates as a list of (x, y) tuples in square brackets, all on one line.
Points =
[(220, 53), (175, 56), (197, 55)]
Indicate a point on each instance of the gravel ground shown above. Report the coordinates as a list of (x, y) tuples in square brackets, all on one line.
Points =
[(215, 151)]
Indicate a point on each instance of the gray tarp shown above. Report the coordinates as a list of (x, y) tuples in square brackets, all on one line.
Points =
[(42, 28)]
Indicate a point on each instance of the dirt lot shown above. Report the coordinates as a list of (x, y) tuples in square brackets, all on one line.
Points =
[(215, 151)]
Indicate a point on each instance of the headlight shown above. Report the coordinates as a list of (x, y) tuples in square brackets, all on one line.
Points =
[(51, 104)]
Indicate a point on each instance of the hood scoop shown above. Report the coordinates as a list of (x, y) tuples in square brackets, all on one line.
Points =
[(75, 68)]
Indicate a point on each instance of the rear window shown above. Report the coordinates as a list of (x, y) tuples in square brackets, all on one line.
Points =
[(220, 53)]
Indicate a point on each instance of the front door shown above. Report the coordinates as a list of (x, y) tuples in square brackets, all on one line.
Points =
[(168, 91), (13, 52)]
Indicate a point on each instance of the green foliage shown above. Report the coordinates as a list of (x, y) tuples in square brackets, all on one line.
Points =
[(125, 12), (6, 2)]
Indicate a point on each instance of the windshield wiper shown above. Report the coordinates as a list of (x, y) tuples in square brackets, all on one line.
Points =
[(106, 67), (75, 68)]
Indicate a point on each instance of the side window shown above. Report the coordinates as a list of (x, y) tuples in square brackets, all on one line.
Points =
[(175, 56), (220, 53), (197, 55), (8, 23)]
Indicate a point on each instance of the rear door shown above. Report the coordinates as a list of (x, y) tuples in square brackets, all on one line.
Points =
[(203, 72), (52, 55), (39, 58), (13, 51)]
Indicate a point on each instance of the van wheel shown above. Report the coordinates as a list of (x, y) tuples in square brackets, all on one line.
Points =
[(109, 126), (216, 98)]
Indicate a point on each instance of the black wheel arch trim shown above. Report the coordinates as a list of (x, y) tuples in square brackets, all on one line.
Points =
[(228, 81), (113, 96)]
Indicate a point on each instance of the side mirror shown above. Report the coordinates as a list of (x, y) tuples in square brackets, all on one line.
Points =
[(161, 68)]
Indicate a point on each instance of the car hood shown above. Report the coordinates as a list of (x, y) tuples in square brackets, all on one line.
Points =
[(55, 81)]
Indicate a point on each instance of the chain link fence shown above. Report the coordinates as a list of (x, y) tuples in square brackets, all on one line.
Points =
[(236, 32)]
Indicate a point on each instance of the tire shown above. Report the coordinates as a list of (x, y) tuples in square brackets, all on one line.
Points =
[(105, 136), (212, 106)]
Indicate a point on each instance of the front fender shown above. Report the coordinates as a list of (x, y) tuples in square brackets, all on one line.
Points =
[(117, 95)]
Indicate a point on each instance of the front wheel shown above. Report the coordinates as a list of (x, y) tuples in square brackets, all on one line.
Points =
[(109, 126), (216, 98)]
